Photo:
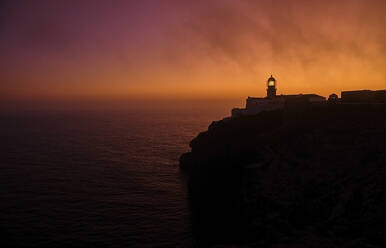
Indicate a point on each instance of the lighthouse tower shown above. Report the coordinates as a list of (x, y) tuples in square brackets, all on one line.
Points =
[(271, 87)]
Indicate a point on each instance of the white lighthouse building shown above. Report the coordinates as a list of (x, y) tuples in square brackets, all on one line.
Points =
[(255, 105)]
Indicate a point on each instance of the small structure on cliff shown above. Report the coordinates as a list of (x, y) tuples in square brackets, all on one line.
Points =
[(255, 105), (364, 96)]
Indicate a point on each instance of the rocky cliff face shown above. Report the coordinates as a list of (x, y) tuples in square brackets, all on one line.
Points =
[(305, 177)]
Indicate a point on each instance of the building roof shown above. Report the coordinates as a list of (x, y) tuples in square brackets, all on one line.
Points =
[(288, 96), (303, 95), (362, 91), (295, 95), (271, 78)]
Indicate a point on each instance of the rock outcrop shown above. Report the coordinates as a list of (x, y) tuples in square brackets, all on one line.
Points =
[(301, 177)]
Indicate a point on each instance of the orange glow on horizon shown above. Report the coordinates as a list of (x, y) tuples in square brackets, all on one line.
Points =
[(216, 50)]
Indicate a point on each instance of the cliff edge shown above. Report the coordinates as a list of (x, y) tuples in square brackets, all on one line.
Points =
[(312, 176)]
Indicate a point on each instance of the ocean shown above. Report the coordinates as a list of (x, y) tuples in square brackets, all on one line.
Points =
[(97, 178)]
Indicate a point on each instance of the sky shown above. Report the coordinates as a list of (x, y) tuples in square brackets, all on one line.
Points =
[(176, 49)]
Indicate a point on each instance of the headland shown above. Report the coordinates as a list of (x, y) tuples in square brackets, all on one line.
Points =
[(307, 174)]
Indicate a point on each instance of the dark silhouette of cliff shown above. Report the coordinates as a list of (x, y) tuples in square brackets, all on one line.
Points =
[(311, 176)]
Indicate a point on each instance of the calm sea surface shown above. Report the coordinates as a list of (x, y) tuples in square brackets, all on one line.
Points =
[(111, 178)]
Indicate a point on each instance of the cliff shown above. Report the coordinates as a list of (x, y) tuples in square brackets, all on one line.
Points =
[(311, 176)]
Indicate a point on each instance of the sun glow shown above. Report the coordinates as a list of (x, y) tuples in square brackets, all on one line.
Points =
[(191, 50)]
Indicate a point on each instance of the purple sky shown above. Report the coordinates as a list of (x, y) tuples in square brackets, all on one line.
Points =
[(189, 48)]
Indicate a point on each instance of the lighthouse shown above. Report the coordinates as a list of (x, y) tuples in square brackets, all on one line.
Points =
[(271, 87), (255, 105)]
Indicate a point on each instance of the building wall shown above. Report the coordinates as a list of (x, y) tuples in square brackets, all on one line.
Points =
[(364, 96), (317, 99), (380, 96), (356, 96), (257, 105)]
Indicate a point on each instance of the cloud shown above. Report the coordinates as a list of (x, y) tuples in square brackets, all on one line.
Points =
[(306, 32), (190, 43)]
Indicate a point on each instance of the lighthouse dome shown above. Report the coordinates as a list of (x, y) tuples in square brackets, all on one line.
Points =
[(271, 81), (271, 78)]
